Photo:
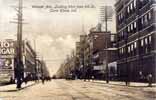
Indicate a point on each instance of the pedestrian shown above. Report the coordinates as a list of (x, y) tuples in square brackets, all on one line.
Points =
[(142, 78), (42, 78), (149, 78), (26, 80), (92, 77)]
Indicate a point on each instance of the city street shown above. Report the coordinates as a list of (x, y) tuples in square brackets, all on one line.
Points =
[(78, 90)]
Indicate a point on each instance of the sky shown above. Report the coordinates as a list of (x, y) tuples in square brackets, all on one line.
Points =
[(53, 34)]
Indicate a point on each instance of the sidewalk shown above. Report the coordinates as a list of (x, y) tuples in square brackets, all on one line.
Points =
[(12, 87), (132, 84), (142, 86)]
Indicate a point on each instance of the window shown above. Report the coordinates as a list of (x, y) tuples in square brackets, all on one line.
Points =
[(146, 42), (122, 33), (121, 50), (121, 16), (129, 49), (132, 47), (142, 42), (142, 20), (150, 39), (149, 15), (135, 45), (131, 6), (134, 2), (134, 24), (131, 26), (146, 18), (128, 9), (128, 28)]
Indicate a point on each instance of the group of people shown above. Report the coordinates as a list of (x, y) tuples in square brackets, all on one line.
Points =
[(45, 79), (149, 78)]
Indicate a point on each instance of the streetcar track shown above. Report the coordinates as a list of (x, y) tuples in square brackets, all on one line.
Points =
[(64, 85), (116, 89)]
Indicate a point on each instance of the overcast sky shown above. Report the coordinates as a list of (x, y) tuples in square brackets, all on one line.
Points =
[(55, 33)]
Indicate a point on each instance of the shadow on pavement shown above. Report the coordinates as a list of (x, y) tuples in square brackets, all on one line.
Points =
[(15, 90)]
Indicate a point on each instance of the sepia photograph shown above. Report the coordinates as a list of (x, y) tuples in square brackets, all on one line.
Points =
[(77, 49)]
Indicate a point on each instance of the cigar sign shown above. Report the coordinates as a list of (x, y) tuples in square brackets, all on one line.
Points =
[(7, 48)]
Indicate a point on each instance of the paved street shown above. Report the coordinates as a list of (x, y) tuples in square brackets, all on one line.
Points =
[(77, 90)]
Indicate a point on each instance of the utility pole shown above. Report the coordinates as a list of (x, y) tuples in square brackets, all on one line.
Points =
[(106, 15), (106, 19), (19, 63), (106, 46)]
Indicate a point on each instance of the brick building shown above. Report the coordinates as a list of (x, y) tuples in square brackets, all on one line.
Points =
[(98, 42)]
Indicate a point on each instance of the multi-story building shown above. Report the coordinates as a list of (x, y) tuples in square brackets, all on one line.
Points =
[(29, 60), (8, 60), (136, 29), (77, 60), (83, 39), (98, 42)]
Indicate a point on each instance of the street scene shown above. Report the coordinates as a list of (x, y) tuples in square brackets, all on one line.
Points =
[(78, 50), (79, 90)]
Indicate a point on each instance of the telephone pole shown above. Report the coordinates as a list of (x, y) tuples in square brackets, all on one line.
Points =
[(106, 13), (106, 16), (19, 63)]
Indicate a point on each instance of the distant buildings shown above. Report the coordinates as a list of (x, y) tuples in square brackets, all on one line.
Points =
[(90, 56)]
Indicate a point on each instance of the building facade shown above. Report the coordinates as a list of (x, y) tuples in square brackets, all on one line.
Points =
[(99, 57), (8, 61), (29, 60), (136, 29)]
